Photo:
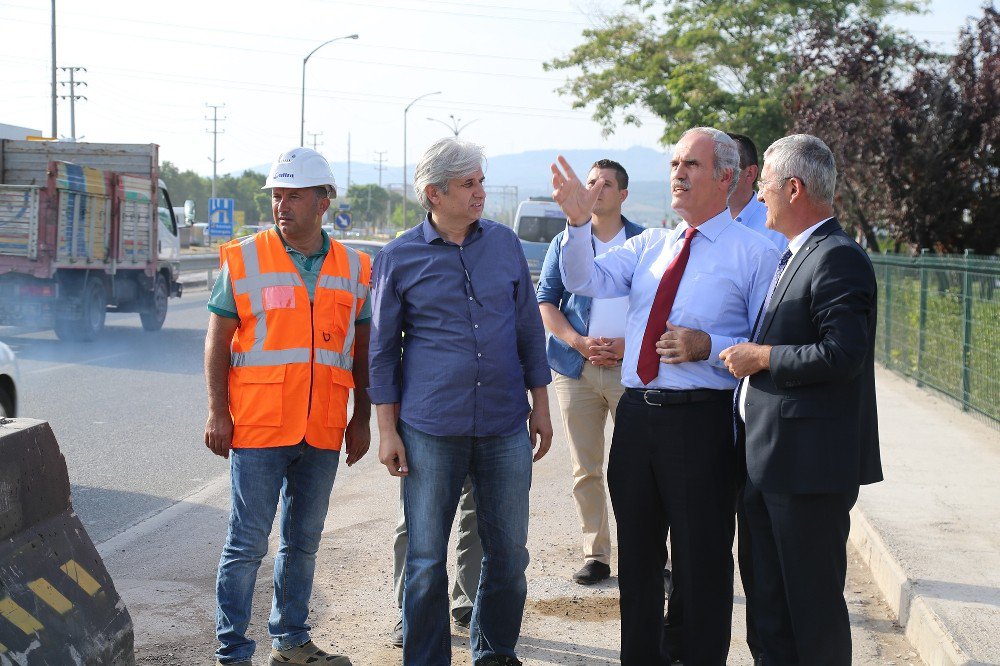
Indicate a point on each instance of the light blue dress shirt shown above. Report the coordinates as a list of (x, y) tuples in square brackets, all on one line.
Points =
[(723, 287), (753, 216)]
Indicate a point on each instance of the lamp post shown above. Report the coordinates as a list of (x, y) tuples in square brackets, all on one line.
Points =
[(302, 124), (455, 126), (404, 147)]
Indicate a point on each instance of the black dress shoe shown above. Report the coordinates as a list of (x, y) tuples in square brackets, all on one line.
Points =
[(498, 660), (463, 619), (592, 572)]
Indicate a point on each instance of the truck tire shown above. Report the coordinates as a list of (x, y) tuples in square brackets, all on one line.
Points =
[(6, 404), (91, 322), (154, 318)]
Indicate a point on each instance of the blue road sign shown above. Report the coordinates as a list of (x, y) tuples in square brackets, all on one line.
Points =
[(220, 216), (343, 220), (345, 206)]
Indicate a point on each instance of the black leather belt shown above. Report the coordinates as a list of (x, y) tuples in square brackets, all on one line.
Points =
[(663, 397)]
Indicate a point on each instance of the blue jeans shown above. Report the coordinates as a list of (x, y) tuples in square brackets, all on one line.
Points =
[(500, 468), (302, 477)]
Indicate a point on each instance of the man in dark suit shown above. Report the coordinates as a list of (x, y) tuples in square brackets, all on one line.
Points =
[(806, 412)]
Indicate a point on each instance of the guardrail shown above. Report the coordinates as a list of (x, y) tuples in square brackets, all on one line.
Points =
[(939, 323)]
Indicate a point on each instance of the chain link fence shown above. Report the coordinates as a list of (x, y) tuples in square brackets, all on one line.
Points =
[(939, 323)]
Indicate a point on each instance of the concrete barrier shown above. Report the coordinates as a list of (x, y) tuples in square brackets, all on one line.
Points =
[(58, 605)]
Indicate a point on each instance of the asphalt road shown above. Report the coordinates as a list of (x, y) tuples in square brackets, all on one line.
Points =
[(128, 410)]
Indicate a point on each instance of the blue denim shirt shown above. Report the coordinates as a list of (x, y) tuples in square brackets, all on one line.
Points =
[(474, 341), (562, 358)]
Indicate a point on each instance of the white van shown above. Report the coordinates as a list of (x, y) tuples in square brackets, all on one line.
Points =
[(536, 223)]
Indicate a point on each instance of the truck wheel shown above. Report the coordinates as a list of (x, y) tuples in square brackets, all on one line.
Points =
[(91, 322), (6, 404), (153, 319)]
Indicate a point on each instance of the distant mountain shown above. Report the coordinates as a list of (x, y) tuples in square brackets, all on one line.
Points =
[(648, 169)]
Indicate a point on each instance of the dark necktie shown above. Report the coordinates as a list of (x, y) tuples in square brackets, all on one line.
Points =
[(785, 258), (649, 361)]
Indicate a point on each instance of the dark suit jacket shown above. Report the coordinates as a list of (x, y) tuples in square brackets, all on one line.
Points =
[(811, 422)]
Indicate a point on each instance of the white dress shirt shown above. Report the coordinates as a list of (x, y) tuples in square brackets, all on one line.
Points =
[(794, 246), (724, 284)]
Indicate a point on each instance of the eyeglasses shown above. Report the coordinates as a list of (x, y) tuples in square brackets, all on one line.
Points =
[(764, 183)]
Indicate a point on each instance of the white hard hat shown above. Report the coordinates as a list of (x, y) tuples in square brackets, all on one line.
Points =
[(301, 167)]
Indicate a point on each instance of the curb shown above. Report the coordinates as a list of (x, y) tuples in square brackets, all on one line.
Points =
[(924, 629)]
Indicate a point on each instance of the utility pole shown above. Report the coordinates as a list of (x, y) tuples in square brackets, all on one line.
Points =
[(381, 161), (215, 132), (348, 162), (314, 136), (54, 93), (72, 96)]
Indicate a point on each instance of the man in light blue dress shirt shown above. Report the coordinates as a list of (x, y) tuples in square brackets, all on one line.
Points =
[(743, 203), (672, 460)]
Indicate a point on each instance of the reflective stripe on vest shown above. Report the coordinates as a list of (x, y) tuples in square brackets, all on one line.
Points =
[(269, 357), (253, 286)]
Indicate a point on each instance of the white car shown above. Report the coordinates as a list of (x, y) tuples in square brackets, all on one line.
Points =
[(8, 382)]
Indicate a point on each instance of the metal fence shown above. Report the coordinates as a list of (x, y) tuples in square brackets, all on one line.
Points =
[(939, 323)]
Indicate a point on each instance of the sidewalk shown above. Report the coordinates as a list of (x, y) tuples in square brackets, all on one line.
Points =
[(930, 533), (164, 570)]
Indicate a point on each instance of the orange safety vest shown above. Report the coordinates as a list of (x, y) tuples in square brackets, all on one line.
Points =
[(291, 360)]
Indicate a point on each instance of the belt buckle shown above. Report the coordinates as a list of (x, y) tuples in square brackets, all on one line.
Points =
[(645, 398)]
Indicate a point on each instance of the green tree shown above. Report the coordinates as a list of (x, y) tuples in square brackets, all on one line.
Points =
[(184, 185), (723, 63), (374, 206), (243, 189), (914, 134)]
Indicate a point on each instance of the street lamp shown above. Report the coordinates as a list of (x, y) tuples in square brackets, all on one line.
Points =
[(302, 125), (455, 126), (404, 147)]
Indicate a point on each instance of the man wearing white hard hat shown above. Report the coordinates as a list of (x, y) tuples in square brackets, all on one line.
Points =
[(287, 342)]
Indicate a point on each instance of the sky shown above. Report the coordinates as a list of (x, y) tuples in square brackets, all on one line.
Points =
[(153, 69)]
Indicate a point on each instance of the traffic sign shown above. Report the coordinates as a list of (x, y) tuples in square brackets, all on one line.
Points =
[(343, 220), (220, 216)]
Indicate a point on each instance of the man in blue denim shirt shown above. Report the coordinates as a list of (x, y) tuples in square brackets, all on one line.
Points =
[(585, 345), (454, 404)]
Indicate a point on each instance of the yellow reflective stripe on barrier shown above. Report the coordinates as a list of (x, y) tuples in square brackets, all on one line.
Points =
[(50, 595), (19, 617), (81, 577)]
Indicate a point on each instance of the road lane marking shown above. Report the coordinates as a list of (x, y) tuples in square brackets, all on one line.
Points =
[(50, 595), (81, 577), (75, 363), (19, 617)]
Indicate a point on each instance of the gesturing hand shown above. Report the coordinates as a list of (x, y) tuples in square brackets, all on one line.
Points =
[(576, 201)]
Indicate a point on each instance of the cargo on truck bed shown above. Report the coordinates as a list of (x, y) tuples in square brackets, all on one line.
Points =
[(84, 228)]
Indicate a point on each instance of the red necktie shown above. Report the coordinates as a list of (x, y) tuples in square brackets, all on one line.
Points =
[(649, 361)]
